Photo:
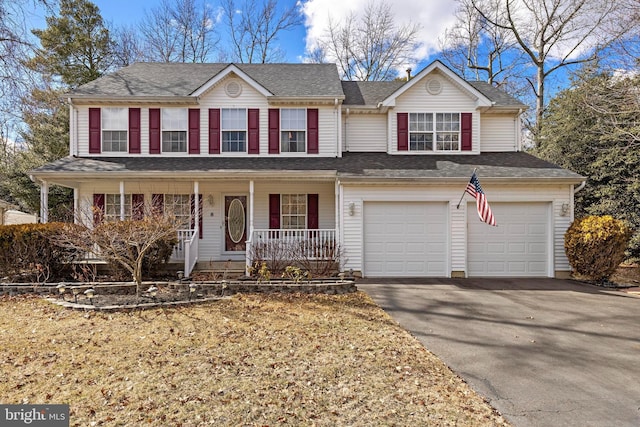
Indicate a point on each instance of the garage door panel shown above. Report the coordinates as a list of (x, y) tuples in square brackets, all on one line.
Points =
[(405, 239), (517, 247)]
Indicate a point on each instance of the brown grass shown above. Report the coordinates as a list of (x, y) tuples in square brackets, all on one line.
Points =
[(263, 360)]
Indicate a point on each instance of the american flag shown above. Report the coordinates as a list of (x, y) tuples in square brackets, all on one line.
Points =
[(484, 210)]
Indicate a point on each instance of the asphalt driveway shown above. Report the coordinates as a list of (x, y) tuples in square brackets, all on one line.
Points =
[(544, 352)]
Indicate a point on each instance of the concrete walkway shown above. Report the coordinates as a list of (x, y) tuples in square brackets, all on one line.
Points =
[(544, 352)]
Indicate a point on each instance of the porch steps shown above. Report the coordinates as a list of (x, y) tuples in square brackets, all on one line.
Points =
[(230, 269)]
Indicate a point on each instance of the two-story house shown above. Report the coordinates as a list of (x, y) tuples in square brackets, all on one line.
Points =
[(254, 152)]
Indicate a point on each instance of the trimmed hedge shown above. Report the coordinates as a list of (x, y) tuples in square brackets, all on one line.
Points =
[(595, 245), (29, 252)]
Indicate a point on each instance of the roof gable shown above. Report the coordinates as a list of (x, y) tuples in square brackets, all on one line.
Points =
[(231, 69), (481, 99)]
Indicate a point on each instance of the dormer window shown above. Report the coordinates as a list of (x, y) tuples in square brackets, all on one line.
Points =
[(234, 130), (114, 129), (293, 127), (174, 130), (427, 128)]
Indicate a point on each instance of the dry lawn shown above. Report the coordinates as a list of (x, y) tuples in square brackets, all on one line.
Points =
[(251, 360)]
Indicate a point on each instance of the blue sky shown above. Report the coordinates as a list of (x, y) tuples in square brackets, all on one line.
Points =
[(433, 16)]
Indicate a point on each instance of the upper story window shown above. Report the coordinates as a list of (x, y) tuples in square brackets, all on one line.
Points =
[(293, 127), (174, 130), (115, 122), (293, 210), (234, 130), (112, 207), (427, 128)]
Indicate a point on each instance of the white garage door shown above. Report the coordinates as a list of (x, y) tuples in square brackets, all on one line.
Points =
[(518, 246), (405, 239)]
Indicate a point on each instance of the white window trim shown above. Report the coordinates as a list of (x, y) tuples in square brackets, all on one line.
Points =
[(305, 130), (167, 129), (104, 128), (305, 214), (245, 130), (434, 132)]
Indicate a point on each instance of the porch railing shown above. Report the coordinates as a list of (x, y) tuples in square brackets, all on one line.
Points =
[(186, 249), (305, 243)]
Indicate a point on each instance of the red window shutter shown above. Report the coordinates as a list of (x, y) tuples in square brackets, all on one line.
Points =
[(274, 131), (193, 214), (157, 203), (98, 208), (95, 131), (134, 131), (154, 131), (274, 211), (466, 131), (214, 131), (313, 220), (137, 206), (254, 130), (403, 131), (312, 131), (194, 131)]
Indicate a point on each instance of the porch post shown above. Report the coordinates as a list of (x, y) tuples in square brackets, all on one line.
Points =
[(76, 206), (196, 208), (44, 202), (122, 212), (251, 190)]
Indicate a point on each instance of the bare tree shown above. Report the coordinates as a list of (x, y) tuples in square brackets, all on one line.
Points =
[(124, 243), (372, 46), (480, 51), (555, 34), (127, 46), (253, 29), (182, 31)]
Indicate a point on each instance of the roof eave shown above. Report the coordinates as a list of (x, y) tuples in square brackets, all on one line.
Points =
[(171, 99)]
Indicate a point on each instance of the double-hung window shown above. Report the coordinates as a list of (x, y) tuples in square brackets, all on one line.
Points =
[(115, 122), (434, 131), (234, 130), (112, 207), (178, 206), (174, 130), (293, 211), (293, 127)]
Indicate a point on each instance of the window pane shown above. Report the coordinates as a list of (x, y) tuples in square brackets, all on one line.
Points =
[(114, 140), (293, 119), (174, 141), (234, 141), (112, 207), (234, 119), (293, 211), (292, 141), (421, 141), (174, 119)]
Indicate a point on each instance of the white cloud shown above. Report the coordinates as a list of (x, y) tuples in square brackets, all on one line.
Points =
[(433, 16)]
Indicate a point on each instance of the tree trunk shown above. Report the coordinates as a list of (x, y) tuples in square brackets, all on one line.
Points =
[(539, 104)]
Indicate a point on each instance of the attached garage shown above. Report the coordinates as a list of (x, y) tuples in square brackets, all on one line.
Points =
[(405, 239), (518, 247)]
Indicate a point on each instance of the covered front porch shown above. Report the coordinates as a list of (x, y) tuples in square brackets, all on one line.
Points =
[(238, 220)]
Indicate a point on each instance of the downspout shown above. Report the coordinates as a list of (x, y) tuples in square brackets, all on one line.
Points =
[(346, 130), (338, 128), (574, 190), (73, 128), (518, 130)]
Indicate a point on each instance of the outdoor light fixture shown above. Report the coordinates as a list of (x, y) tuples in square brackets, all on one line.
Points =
[(564, 209), (90, 293), (61, 288), (180, 275), (192, 290), (341, 276), (352, 209), (76, 291)]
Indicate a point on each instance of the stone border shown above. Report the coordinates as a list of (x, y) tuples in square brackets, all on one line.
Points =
[(206, 291)]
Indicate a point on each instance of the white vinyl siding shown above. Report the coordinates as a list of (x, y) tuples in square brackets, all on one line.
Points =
[(499, 132), (365, 132)]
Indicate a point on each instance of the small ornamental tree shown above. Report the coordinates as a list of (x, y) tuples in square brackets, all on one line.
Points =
[(130, 244), (595, 245)]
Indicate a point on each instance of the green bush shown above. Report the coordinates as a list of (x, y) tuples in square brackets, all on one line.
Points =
[(595, 245), (30, 252)]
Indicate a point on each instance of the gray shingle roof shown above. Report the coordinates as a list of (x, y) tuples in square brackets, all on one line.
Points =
[(500, 97), (516, 165), (179, 79), (146, 79), (368, 93)]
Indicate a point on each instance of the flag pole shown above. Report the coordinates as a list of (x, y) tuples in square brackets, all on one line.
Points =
[(465, 190)]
